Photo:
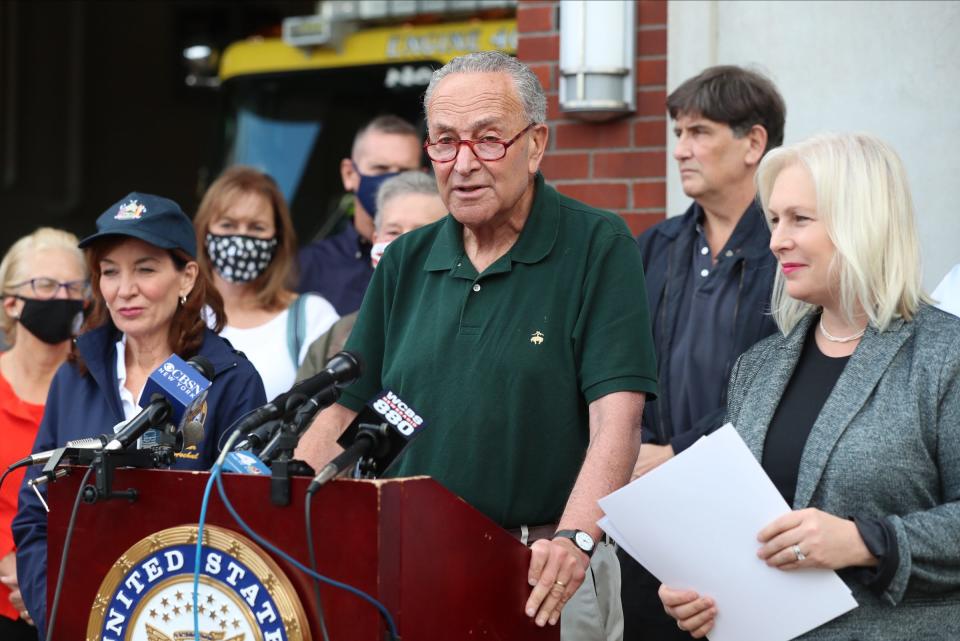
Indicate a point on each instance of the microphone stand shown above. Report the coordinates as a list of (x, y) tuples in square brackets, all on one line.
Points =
[(103, 463), (279, 451)]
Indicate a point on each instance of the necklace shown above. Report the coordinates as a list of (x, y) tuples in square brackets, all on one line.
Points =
[(839, 339)]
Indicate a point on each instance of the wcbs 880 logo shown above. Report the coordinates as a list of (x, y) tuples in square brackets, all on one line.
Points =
[(397, 413)]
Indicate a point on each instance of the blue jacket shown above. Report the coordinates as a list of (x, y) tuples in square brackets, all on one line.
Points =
[(666, 249), (338, 268), (85, 405)]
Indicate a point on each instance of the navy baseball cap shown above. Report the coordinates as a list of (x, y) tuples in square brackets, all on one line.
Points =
[(153, 219)]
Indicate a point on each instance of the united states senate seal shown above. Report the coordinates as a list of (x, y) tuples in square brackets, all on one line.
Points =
[(243, 593)]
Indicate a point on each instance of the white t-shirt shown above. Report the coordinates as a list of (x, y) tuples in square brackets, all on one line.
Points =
[(947, 293), (266, 345)]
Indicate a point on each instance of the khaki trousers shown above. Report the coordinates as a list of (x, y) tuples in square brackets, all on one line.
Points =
[(595, 612)]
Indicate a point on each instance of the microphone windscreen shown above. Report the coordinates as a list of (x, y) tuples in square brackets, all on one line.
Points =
[(345, 366), (203, 365)]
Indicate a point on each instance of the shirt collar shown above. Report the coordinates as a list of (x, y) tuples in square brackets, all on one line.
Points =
[(750, 236), (537, 238), (121, 349), (127, 400)]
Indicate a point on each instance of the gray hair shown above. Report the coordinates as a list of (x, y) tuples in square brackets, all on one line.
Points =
[(525, 81), (408, 182)]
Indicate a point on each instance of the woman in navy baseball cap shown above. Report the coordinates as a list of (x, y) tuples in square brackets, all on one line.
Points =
[(148, 293)]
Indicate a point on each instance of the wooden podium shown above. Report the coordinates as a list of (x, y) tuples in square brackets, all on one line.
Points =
[(443, 570)]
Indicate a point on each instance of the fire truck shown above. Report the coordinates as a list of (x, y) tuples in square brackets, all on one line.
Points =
[(292, 104)]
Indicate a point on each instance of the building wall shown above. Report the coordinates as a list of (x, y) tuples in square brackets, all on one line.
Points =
[(888, 68), (619, 165)]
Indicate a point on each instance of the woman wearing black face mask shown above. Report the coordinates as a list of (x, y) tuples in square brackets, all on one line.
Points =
[(45, 286), (247, 246)]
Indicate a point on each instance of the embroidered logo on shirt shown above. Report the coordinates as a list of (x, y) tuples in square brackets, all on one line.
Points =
[(537, 337), (130, 210)]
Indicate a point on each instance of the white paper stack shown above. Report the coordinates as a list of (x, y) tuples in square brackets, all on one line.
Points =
[(693, 523)]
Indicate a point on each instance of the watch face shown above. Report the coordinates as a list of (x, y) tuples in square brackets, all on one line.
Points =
[(584, 541)]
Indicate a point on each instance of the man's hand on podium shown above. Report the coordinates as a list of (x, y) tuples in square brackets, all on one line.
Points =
[(557, 568)]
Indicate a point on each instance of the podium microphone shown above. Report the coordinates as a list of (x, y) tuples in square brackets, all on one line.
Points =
[(93, 443), (157, 410), (258, 436), (342, 369), (379, 433), (176, 391)]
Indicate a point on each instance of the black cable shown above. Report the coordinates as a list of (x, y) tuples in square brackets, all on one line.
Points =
[(4, 477), (313, 566), (63, 557), (382, 609)]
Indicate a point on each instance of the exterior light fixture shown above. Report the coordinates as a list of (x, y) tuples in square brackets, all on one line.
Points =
[(597, 53)]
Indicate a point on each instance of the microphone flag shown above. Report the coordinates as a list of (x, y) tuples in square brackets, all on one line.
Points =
[(181, 384)]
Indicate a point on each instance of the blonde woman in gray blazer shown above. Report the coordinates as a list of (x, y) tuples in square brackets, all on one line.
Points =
[(854, 408)]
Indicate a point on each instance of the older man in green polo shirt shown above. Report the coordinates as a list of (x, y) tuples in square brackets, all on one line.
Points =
[(517, 327)]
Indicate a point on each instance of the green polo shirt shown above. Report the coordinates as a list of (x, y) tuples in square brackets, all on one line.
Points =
[(503, 365)]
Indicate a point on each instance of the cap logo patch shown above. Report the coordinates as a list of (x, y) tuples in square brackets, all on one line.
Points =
[(130, 210)]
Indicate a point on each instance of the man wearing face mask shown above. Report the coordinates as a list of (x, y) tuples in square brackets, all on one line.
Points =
[(405, 202), (339, 267)]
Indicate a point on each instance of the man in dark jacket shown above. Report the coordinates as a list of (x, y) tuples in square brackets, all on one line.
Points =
[(709, 280), (338, 267)]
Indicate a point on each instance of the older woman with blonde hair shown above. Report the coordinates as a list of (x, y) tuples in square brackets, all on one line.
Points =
[(248, 247), (854, 408), (45, 287)]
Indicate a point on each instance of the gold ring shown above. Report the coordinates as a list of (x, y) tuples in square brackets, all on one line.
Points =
[(561, 584)]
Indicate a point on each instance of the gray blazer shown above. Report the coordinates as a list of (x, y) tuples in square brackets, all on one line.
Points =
[(886, 444)]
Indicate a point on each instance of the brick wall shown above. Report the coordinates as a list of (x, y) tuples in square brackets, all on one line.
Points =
[(618, 165)]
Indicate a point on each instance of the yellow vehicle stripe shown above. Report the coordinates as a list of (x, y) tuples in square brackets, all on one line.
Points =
[(380, 45)]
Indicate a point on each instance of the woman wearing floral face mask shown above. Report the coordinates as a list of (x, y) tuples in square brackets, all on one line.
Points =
[(44, 282), (244, 228)]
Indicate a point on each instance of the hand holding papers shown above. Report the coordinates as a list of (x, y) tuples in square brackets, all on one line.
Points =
[(693, 523)]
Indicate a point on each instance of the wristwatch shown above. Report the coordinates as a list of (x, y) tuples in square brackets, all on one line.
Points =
[(580, 538)]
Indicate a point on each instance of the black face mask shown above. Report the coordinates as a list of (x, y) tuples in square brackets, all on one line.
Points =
[(52, 321)]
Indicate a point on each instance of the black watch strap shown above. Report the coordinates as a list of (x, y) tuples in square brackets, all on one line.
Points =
[(581, 539)]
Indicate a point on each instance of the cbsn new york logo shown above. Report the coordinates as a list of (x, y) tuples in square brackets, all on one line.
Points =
[(181, 379), (243, 595), (397, 413)]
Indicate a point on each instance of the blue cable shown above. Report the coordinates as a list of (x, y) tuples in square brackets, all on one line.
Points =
[(214, 474), (262, 541)]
